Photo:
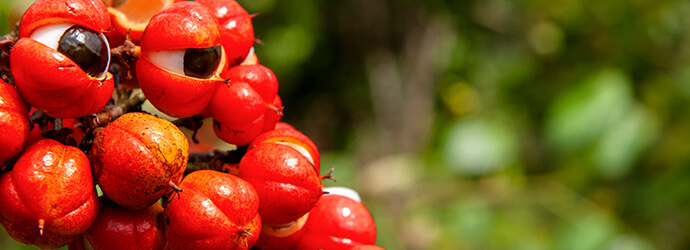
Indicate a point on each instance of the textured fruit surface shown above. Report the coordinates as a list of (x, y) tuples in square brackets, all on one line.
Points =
[(52, 183), (215, 211), (119, 228), (14, 123), (136, 158)]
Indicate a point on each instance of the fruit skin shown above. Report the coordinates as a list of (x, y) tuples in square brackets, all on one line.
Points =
[(119, 228), (287, 183), (136, 157), (49, 80), (180, 25), (338, 222), (14, 123), (52, 182), (215, 211), (91, 14), (236, 29), (260, 78)]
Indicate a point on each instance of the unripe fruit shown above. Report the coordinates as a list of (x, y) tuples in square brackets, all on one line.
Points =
[(48, 199), (338, 222), (138, 158), (216, 211), (181, 59), (14, 123), (287, 183), (61, 59), (119, 228)]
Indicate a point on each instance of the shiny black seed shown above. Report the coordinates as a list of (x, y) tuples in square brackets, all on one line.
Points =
[(201, 63), (86, 48)]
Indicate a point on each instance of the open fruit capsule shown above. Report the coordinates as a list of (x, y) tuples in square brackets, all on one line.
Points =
[(181, 60), (61, 59)]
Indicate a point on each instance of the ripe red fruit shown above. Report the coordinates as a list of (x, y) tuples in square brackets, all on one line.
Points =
[(119, 228), (61, 59), (138, 158), (181, 60), (338, 222), (243, 107), (48, 199), (216, 211), (14, 123), (287, 183), (236, 29)]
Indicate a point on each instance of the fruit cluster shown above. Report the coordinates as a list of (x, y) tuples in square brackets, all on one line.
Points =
[(73, 127)]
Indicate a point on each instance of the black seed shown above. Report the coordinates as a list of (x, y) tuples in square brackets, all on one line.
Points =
[(201, 63), (86, 48)]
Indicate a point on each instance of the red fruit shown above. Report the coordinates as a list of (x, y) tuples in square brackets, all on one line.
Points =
[(181, 59), (215, 211), (282, 236), (138, 158), (236, 29), (14, 123), (294, 139), (238, 113), (50, 63), (260, 78), (48, 197), (338, 222), (287, 183), (244, 107), (119, 228)]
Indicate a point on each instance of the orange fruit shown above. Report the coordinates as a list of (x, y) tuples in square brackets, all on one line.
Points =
[(134, 15)]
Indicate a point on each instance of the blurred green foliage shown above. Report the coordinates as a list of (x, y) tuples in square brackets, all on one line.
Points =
[(494, 124)]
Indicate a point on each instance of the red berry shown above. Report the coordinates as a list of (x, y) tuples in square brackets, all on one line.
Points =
[(215, 211), (48, 197), (287, 183), (138, 158), (14, 123), (338, 222), (119, 228)]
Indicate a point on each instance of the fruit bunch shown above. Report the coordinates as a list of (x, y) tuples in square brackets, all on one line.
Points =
[(83, 165)]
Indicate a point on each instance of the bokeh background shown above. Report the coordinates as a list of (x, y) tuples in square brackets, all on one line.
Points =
[(493, 124)]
